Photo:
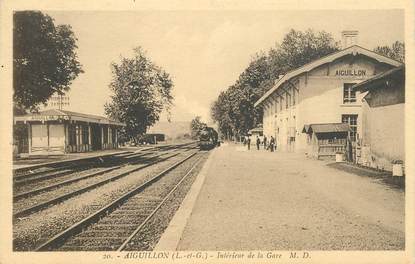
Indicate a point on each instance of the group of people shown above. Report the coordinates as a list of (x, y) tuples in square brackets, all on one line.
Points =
[(271, 146)]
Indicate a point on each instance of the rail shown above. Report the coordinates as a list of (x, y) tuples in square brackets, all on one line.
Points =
[(58, 240)]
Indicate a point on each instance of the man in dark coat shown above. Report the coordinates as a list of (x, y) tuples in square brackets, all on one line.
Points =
[(272, 143), (258, 142), (265, 142)]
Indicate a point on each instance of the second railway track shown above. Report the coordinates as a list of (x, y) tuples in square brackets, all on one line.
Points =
[(38, 173), (29, 206), (114, 226)]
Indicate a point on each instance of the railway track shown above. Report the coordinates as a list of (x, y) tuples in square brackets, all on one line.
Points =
[(33, 182), (32, 171), (35, 191), (44, 172), (105, 176), (114, 226), (29, 182)]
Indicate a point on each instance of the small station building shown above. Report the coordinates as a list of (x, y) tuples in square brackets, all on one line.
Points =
[(60, 131), (383, 119), (325, 140), (321, 92), (256, 132)]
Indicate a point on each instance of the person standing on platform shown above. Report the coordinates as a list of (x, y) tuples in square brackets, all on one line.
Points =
[(248, 142), (272, 143), (265, 142), (258, 142)]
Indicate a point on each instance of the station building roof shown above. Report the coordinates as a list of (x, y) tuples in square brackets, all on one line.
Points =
[(326, 128), (353, 50), (398, 73), (55, 114)]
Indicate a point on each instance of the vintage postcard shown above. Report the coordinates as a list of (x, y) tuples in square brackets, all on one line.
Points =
[(207, 132)]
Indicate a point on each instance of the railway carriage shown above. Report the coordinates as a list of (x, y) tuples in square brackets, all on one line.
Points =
[(152, 138)]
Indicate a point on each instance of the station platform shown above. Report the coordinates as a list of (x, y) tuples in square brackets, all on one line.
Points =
[(258, 200)]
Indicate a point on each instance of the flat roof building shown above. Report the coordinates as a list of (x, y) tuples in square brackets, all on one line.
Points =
[(320, 92), (60, 131)]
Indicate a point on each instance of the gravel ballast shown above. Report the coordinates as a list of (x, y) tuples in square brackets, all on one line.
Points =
[(30, 232), (129, 215), (148, 237)]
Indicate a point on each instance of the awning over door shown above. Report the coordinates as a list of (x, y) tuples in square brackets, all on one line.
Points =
[(326, 128)]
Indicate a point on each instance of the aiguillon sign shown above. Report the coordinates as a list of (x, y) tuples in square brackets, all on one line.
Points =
[(350, 72)]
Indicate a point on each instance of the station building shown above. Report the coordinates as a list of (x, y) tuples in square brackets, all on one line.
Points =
[(383, 119), (60, 131), (320, 92)]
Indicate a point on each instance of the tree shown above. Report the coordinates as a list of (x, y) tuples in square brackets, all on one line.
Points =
[(141, 90), (196, 125), (44, 59), (234, 109), (396, 51), (220, 112)]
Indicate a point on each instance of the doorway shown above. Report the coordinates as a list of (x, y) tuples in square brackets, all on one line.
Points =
[(96, 137)]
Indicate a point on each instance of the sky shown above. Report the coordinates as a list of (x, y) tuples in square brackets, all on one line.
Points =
[(203, 51)]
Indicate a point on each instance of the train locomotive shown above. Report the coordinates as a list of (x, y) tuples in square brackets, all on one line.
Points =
[(208, 138)]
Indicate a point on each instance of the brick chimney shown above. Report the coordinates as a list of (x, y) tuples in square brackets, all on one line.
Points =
[(349, 38)]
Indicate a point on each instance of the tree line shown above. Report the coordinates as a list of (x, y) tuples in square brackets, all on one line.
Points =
[(234, 112)]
